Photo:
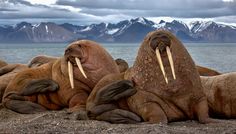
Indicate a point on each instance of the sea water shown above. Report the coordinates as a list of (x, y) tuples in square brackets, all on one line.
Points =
[(219, 56)]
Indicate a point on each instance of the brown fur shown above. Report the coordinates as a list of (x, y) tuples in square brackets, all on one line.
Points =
[(96, 63), (221, 94), (156, 101), (204, 71)]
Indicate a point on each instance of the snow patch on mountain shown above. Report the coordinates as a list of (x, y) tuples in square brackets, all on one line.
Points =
[(88, 28), (46, 27), (112, 31)]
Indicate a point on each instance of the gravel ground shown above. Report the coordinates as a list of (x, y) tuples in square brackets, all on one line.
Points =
[(62, 122)]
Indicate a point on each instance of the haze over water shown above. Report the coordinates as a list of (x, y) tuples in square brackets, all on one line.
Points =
[(219, 56)]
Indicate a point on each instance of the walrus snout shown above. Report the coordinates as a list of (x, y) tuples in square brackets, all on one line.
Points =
[(74, 56), (160, 42)]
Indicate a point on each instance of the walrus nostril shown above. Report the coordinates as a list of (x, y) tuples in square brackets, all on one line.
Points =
[(161, 41)]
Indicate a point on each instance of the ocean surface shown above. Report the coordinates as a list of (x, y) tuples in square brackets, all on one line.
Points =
[(219, 56)]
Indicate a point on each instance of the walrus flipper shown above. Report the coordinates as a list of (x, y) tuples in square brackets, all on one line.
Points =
[(119, 116), (39, 86), (24, 107), (8, 68), (102, 108), (201, 110), (115, 91)]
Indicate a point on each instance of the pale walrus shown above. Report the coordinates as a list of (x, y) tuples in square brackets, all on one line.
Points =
[(65, 83), (167, 83), (9, 71), (221, 95)]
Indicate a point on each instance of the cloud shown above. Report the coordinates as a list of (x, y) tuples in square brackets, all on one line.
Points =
[(155, 8), (8, 10), (91, 11)]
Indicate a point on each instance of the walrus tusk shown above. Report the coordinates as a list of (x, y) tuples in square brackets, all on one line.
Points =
[(70, 72), (161, 64), (80, 66), (171, 61)]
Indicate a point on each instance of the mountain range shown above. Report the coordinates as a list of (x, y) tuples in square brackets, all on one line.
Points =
[(132, 30)]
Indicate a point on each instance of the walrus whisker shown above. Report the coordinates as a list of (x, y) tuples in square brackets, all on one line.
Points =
[(70, 72), (161, 64), (80, 67), (171, 61)]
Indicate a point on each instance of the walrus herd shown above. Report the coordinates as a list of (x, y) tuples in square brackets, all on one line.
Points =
[(162, 86)]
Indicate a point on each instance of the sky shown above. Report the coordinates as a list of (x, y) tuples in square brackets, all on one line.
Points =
[(83, 12)]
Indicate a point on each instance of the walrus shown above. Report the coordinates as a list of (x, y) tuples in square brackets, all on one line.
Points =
[(204, 71), (122, 64), (2, 63), (64, 83), (220, 91), (162, 86), (40, 60), (9, 71)]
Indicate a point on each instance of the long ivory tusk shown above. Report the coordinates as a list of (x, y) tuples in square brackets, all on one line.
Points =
[(80, 66), (171, 61), (70, 72), (161, 64)]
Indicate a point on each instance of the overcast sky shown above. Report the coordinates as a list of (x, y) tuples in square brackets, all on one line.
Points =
[(95, 11)]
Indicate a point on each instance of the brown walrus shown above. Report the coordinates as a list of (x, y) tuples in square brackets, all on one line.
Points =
[(40, 60), (65, 83), (204, 71), (122, 64), (221, 94), (167, 83), (2, 63), (9, 71)]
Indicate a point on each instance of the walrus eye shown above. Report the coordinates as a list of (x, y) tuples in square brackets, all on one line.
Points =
[(68, 50)]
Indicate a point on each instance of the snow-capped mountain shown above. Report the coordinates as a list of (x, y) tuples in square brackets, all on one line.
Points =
[(132, 30), (43, 32)]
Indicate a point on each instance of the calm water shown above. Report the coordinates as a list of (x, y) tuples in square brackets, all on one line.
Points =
[(221, 57)]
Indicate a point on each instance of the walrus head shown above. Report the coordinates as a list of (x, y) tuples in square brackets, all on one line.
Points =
[(160, 43), (89, 59), (161, 58), (40, 60)]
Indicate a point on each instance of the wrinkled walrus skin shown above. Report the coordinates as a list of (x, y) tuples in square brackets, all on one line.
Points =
[(221, 95), (203, 71), (49, 87), (158, 99), (9, 71)]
